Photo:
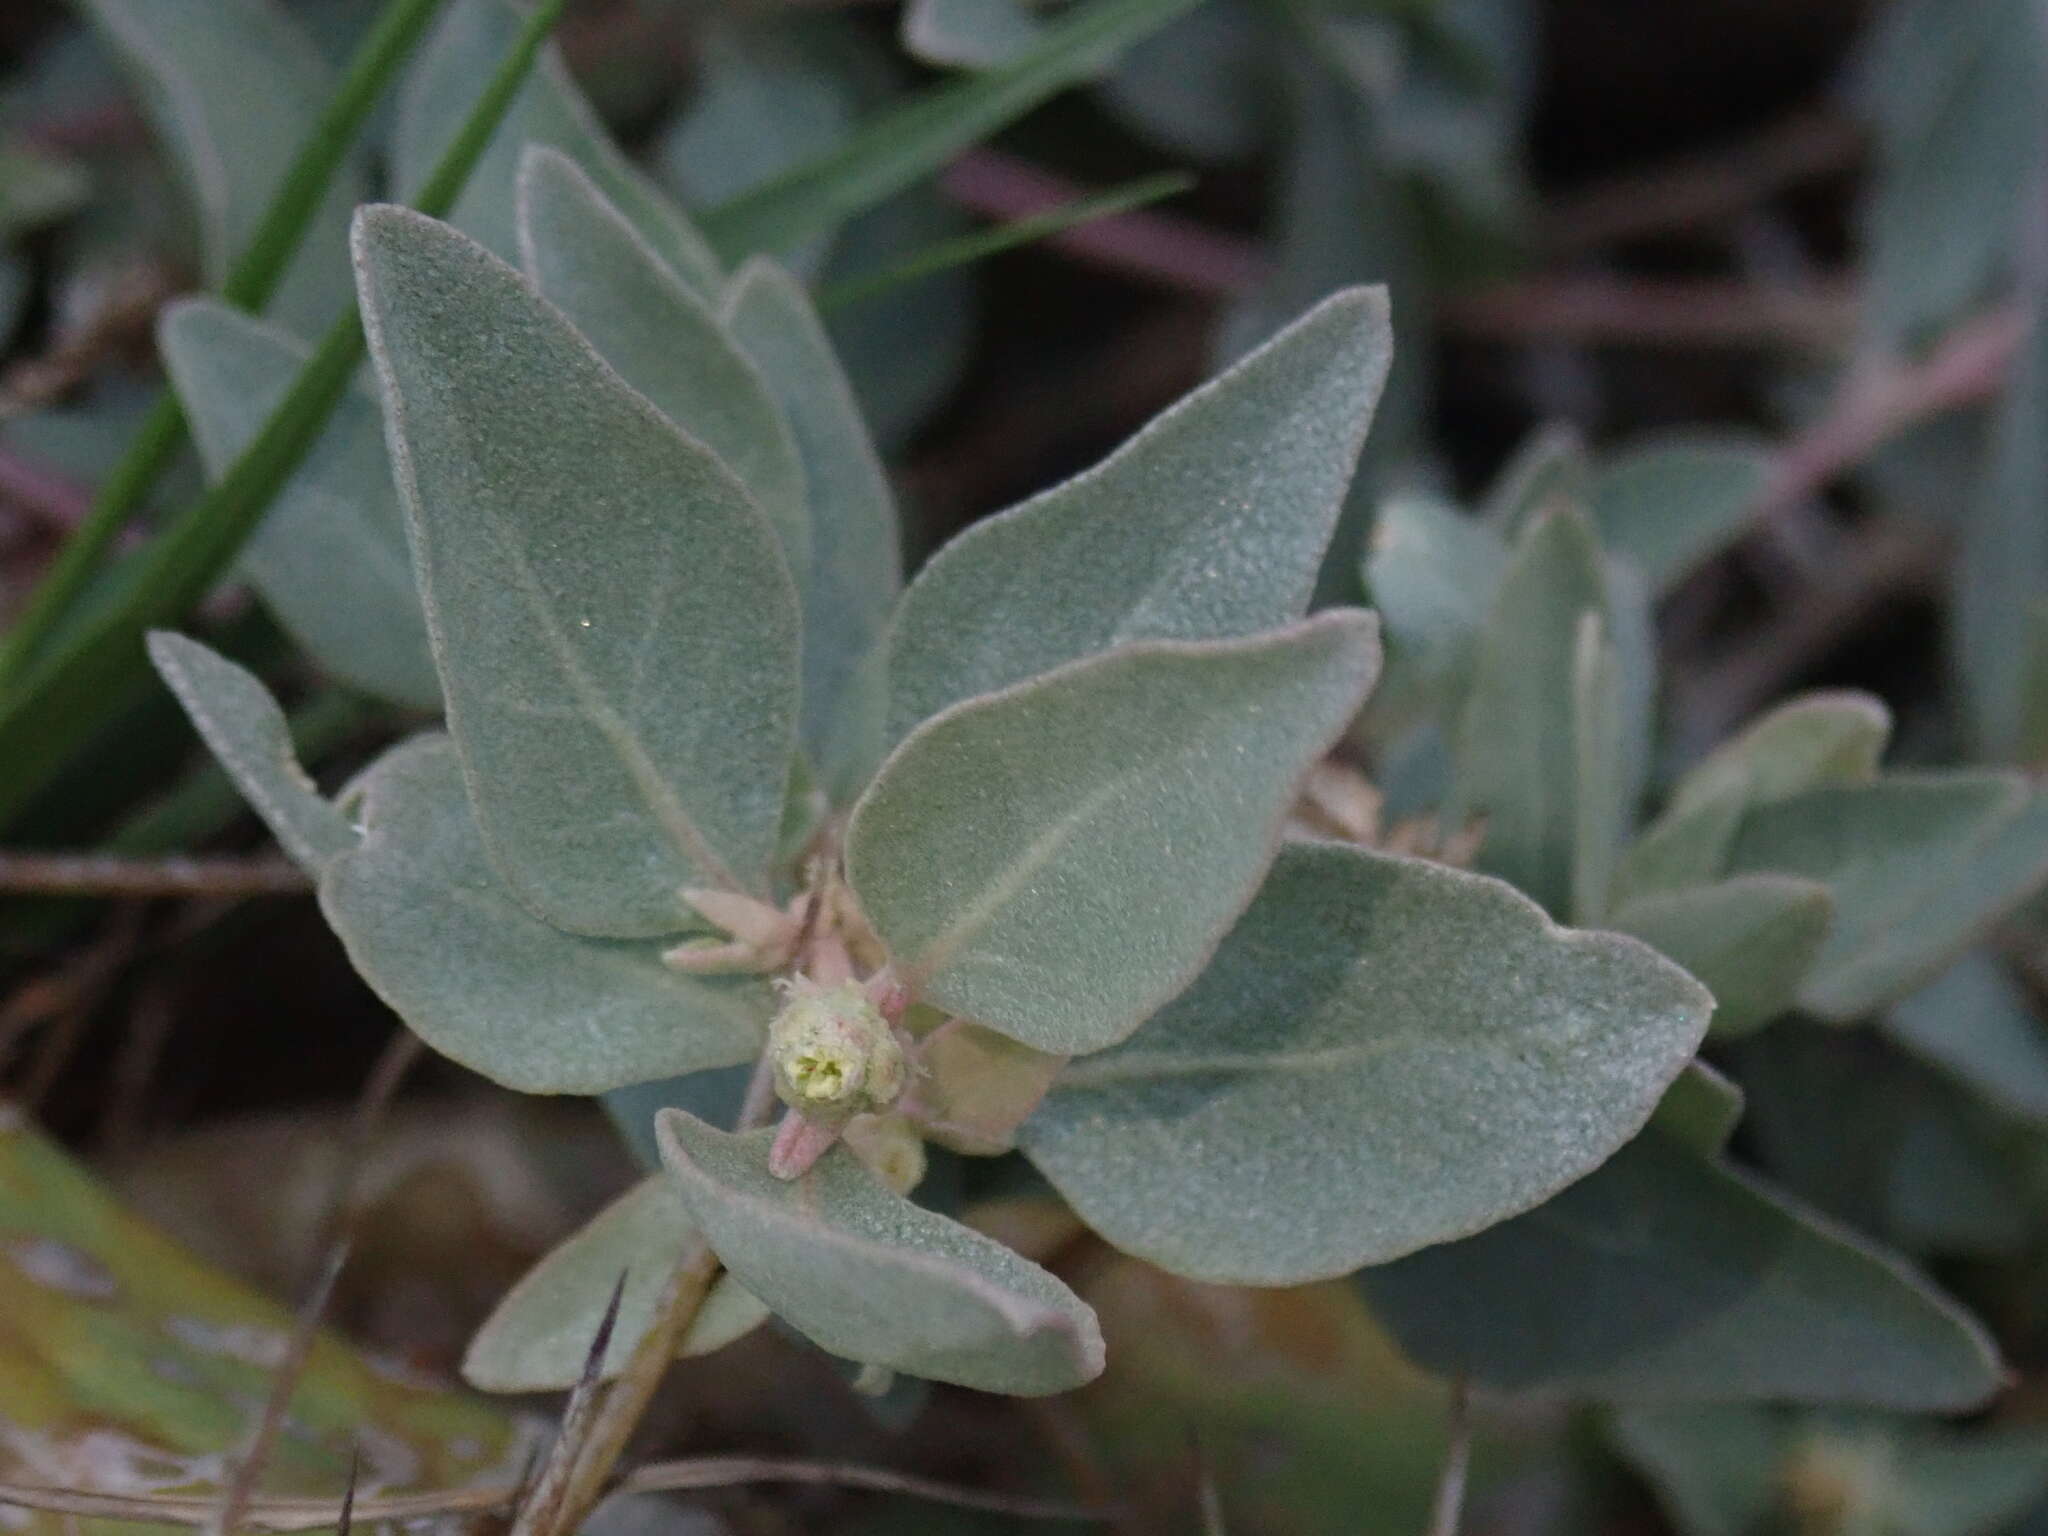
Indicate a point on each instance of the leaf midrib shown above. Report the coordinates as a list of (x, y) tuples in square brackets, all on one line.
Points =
[(660, 799)]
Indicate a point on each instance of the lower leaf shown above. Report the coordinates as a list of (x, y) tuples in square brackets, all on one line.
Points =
[(1668, 1276), (1385, 1053), (868, 1275), (479, 978), (1751, 940), (540, 1335)]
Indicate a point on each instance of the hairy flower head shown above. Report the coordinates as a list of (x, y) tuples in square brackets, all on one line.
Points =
[(833, 1052)]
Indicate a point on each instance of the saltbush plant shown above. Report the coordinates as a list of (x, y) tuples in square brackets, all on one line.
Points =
[(1016, 877), (1037, 853), (1287, 908)]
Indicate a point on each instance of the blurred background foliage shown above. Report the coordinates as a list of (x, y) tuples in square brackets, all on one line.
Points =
[(1804, 240)]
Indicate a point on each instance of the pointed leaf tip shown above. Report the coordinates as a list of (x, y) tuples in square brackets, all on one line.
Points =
[(1210, 522), (625, 700), (1385, 1053), (1059, 859), (246, 731)]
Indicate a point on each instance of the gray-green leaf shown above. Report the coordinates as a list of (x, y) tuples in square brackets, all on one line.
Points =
[(234, 87), (1954, 86), (1751, 940), (1385, 1053), (1976, 1023), (39, 185), (1550, 468), (241, 723), (468, 43), (1211, 522), (857, 563), (1700, 1110), (1432, 572), (1199, 87), (538, 1337), (1716, 1469), (872, 1277), (1920, 866), (769, 94), (971, 34), (1518, 754), (1810, 742), (440, 938), (1669, 504), (1602, 804), (1876, 1139), (1667, 1276), (1058, 860), (615, 625), (587, 259), (330, 557), (1727, 1470), (2001, 570)]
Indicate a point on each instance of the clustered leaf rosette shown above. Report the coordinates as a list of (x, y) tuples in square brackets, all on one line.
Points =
[(997, 860)]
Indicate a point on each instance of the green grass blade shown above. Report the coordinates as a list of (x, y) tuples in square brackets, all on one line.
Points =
[(984, 243), (55, 710), (910, 141), (69, 572), (390, 40), (249, 284)]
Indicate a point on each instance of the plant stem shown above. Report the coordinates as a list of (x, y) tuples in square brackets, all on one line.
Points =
[(677, 1309), (627, 1401), (1448, 1511), (103, 874), (539, 1502), (244, 1469), (249, 284), (729, 1471)]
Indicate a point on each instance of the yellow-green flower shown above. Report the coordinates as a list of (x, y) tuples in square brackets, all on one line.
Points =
[(834, 1054)]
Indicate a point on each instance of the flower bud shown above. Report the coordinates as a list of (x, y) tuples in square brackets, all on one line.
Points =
[(834, 1054), (890, 1148)]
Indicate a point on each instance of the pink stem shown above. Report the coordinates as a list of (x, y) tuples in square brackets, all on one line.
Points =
[(1172, 251), (799, 1143)]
